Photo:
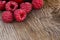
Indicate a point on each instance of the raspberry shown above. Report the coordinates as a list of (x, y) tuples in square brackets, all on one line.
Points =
[(20, 15), (26, 6), (11, 6), (37, 4), (18, 1), (7, 16), (2, 5)]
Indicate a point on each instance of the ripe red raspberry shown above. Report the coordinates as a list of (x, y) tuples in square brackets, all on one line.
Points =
[(37, 4), (26, 6), (20, 15), (11, 6), (7, 16), (2, 5), (18, 1)]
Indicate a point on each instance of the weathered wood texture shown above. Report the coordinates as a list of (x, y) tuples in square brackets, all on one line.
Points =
[(43, 24)]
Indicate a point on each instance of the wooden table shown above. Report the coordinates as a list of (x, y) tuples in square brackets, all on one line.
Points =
[(41, 24)]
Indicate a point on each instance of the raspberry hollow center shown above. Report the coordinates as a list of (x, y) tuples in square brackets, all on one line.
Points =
[(12, 6), (21, 15)]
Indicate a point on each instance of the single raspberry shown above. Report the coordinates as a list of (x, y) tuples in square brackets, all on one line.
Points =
[(20, 15), (26, 6), (11, 6), (7, 16), (18, 1), (2, 5), (37, 4)]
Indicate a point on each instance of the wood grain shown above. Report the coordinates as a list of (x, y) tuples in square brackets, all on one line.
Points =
[(42, 24)]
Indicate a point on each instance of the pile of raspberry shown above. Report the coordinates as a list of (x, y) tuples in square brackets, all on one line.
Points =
[(18, 9)]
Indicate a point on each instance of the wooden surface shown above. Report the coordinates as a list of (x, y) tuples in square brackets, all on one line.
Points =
[(43, 24)]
